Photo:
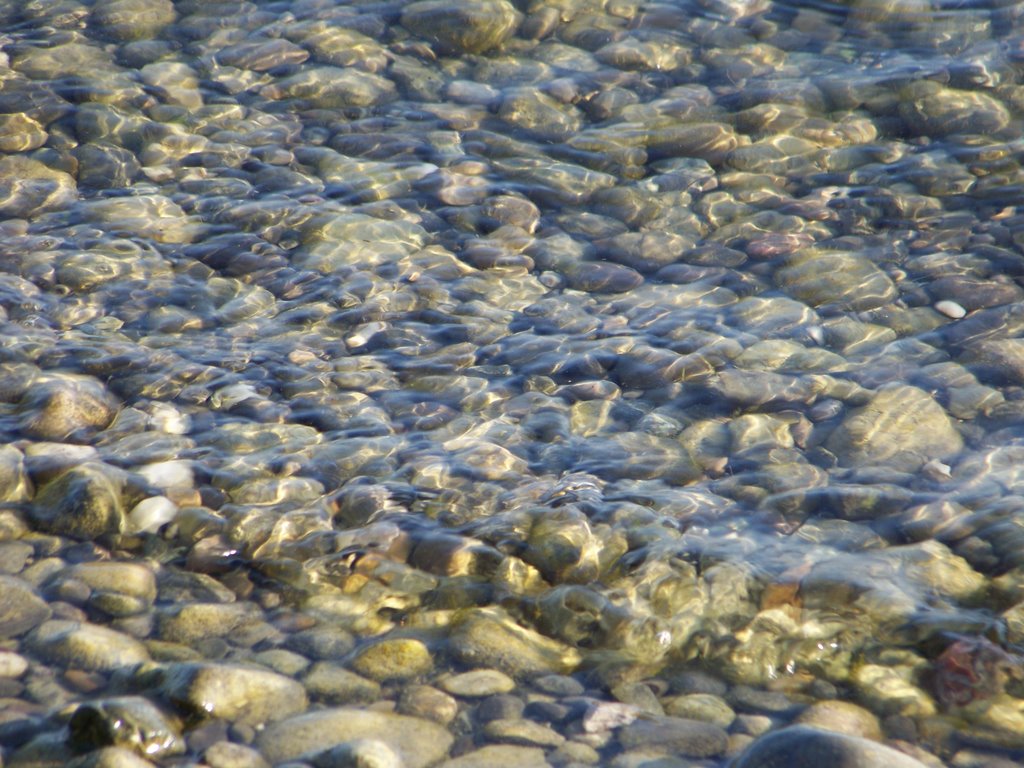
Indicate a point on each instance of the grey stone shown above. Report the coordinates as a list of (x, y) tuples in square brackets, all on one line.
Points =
[(677, 735), (465, 26), (418, 742), (21, 609), (801, 746)]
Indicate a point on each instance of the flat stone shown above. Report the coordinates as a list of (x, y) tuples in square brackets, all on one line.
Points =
[(83, 503), (21, 609), (464, 26), (677, 735), (801, 746), (499, 756), (523, 732), (418, 742), (488, 637), (901, 426), (478, 682), (247, 695), (393, 659), (81, 645), (842, 717)]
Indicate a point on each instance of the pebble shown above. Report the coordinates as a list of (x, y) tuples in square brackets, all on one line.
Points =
[(488, 638), (417, 742), (81, 645), (359, 753), (397, 659), (21, 609), (525, 733), (334, 684), (810, 746), (244, 695), (478, 683), (841, 717), (499, 756), (690, 738)]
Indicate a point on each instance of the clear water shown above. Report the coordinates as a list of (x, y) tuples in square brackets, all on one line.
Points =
[(686, 333)]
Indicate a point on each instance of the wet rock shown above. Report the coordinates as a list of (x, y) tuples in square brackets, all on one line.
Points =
[(64, 407), (708, 141), (118, 589), (332, 88), (246, 695), (842, 717), (153, 216), (427, 702), (901, 425), (489, 638), (130, 722), (838, 278), (479, 682), (393, 659), (132, 19), (930, 109), (334, 684), (359, 753), (539, 115), (195, 621), (15, 484), (602, 277), (261, 55), (676, 735), (418, 742), (21, 609), (29, 187), (226, 754), (499, 756), (83, 503), (997, 362), (526, 733), (80, 645), (20, 133), (468, 26), (811, 746)]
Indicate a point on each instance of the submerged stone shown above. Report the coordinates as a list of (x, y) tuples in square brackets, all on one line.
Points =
[(465, 26)]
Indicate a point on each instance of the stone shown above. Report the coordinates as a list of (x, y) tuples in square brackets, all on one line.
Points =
[(21, 609), (66, 407), (393, 659), (245, 695), (477, 683), (84, 503), (901, 426), (523, 732), (488, 637), (840, 278), (465, 26), (359, 753), (804, 747), (81, 645), (676, 735), (130, 722), (499, 756), (842, 717), (132, 19), (419, 743)]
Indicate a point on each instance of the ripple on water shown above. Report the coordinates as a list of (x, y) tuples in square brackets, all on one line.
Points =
[(479, 382)]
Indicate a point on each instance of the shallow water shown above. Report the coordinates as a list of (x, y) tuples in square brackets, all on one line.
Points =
[(659, 360)]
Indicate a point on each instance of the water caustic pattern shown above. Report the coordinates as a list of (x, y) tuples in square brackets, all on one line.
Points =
[(485, 383)]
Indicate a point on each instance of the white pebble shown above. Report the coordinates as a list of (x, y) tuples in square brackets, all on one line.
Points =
[(149, 514), (12, 664), (168, 474), (950, 309), (169, 419), (233, 394)]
